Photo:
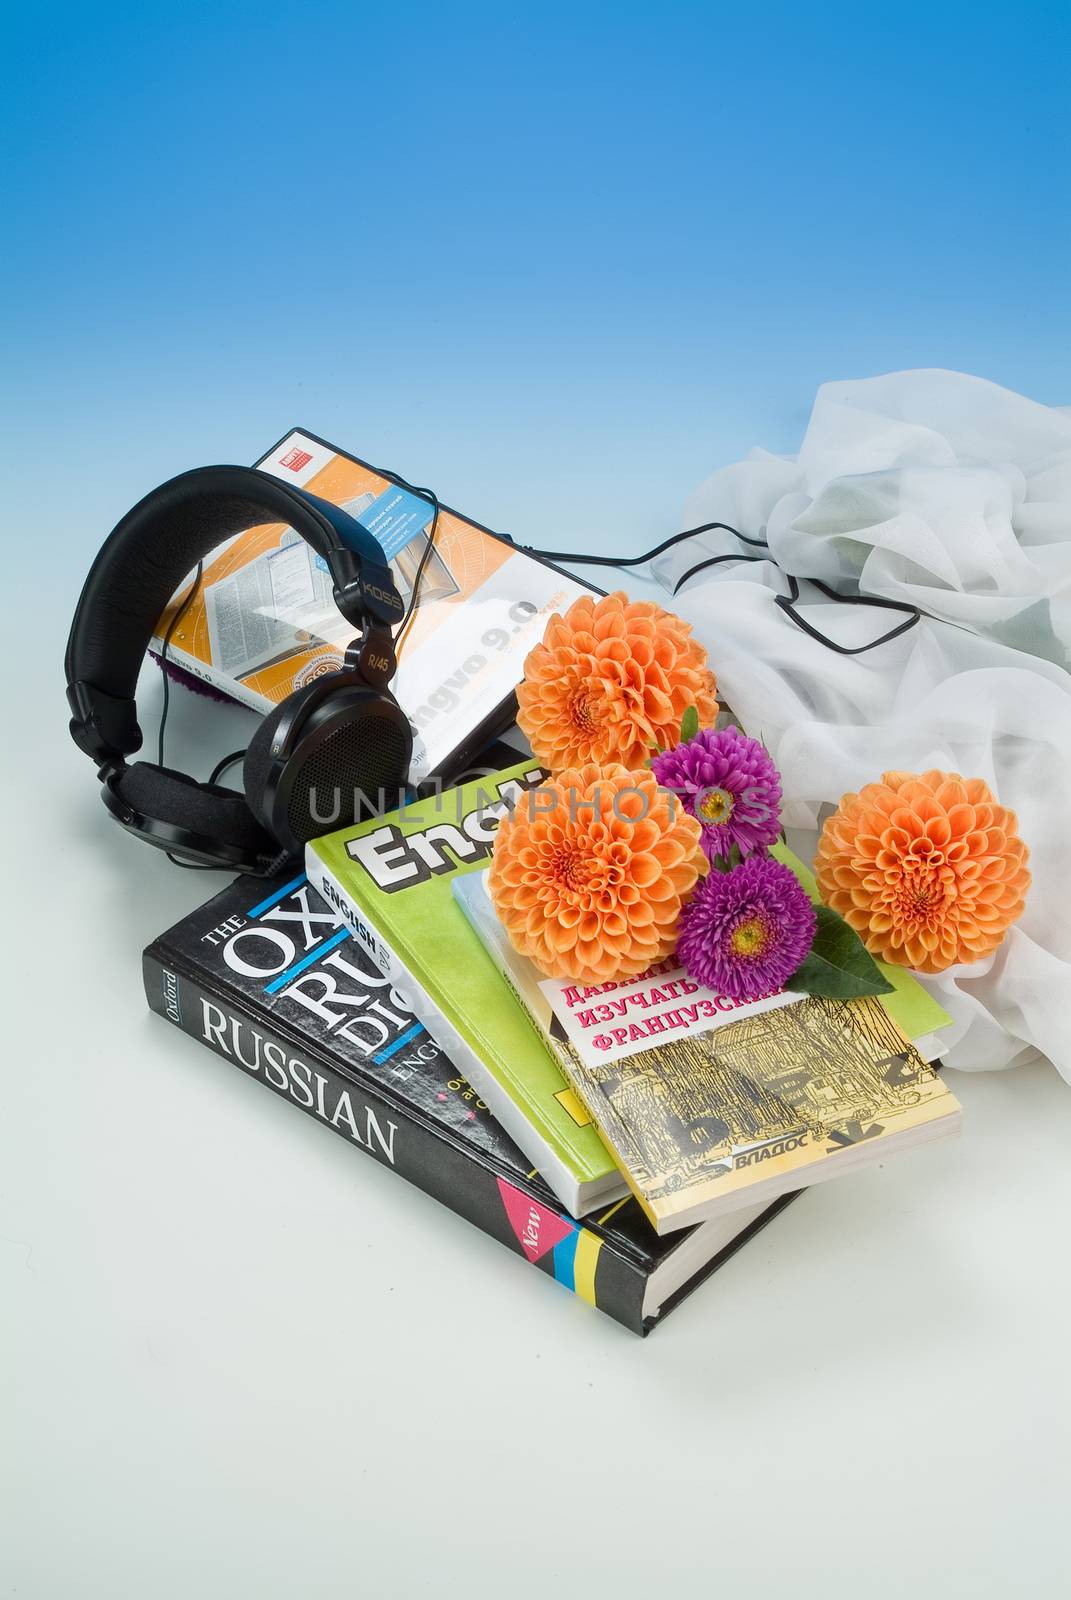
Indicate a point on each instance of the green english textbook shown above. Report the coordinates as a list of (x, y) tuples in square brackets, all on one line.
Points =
[(390, 880)]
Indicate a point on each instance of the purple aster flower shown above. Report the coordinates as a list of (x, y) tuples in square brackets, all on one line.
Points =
[(729, 784), (744, 932)]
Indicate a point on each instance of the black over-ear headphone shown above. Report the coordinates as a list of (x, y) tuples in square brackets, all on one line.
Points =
[(342, 735)]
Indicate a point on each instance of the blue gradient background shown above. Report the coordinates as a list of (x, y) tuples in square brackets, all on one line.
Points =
[(559, 263)]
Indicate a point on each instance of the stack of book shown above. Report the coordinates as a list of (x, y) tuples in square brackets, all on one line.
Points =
[(376, 991)]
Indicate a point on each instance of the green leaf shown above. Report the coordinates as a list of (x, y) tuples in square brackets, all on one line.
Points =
[(689, 724), (839, 965)]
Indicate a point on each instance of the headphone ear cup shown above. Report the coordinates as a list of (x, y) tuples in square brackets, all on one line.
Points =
[(258, 762), (208, 810), (347, 754)]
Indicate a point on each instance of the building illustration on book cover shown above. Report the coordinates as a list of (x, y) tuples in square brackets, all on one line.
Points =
[(792, 1086)]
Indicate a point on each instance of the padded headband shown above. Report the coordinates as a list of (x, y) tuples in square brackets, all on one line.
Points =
[(145, 558)]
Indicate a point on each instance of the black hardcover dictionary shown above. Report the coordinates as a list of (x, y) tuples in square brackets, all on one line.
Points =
[(268, 978)]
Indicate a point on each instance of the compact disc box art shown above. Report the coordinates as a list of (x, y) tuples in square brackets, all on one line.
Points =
[(264, 623)]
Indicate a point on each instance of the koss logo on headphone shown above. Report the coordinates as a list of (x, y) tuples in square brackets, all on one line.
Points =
[(390, 598)]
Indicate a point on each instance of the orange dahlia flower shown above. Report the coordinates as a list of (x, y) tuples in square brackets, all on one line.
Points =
[(929, 870), (590, 871), (610, 681)]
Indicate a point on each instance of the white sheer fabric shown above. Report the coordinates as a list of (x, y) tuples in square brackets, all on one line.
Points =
[(954, 495)]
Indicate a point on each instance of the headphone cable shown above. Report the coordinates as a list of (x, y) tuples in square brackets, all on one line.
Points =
[(425, 556), (221, 766), (164, 648), (191, 866), (786, 603), (648, 555)]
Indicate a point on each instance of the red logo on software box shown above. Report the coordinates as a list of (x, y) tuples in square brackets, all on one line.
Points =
[(296, 459)]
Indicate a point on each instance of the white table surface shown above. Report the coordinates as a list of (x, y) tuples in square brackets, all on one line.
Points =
[(240, 1359)]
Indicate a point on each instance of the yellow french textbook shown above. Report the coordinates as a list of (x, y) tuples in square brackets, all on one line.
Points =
[(709, 1105)]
